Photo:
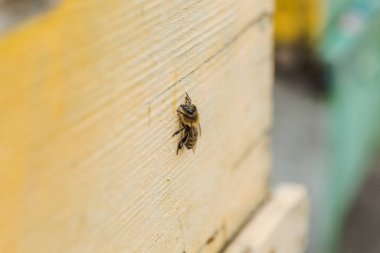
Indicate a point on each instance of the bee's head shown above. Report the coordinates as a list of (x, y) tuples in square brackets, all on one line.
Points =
[(189, 109)]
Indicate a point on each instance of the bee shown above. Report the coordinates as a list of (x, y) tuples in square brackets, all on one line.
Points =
[(189, 125)]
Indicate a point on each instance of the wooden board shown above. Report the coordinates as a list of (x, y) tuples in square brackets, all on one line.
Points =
[(280, 226), (87, 109)]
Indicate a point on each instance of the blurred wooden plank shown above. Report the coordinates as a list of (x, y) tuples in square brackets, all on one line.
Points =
[(280, 226), (14, 11), (87, 109)]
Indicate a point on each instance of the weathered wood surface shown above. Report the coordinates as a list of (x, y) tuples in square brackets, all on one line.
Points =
[(280, 226), (87, 108)]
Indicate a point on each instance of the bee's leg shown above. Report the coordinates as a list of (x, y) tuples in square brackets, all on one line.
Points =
[(183, 141), (182, 113), (186, 115), (178, 131)]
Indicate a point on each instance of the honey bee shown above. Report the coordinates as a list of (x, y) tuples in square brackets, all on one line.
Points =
[(189, 125)]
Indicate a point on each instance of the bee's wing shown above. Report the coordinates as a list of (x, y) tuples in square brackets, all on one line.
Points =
[(200, 129), (194, 147), (195, 143)]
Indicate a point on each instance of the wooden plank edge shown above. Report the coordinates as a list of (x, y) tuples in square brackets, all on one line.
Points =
[(281, 225)]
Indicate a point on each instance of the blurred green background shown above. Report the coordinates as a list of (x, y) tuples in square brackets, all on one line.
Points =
[(328, 51)]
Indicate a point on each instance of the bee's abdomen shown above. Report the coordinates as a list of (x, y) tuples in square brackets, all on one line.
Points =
[(192, 139), (190, 143)]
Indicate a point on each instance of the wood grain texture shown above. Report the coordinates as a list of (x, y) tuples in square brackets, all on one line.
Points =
[(280, 226), (87, 109)]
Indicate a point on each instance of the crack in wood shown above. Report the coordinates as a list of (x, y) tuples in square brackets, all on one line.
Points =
[(252, 146), (244, 223)]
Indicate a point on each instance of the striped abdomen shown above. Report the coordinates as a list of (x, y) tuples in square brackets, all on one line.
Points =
[(192, 138)]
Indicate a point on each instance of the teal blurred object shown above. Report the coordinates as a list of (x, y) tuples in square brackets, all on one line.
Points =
[(351, 48), (344, 31)]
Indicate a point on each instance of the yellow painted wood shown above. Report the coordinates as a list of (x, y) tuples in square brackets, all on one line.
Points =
[(88, 101), (298, 20)]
